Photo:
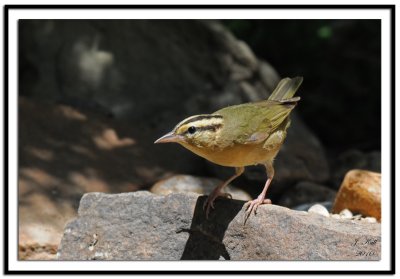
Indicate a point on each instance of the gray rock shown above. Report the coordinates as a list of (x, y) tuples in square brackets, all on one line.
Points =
[(193, 184), (127, 68), (144, 226), (306, 192), (268, 75)]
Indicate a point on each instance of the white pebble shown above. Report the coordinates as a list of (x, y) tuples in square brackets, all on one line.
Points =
[(346, 214), (319, 209), (335, 216), (370, 219)]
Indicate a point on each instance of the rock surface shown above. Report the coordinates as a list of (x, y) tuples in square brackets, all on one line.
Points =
[(360, 192), (193, 184), (144, 226)]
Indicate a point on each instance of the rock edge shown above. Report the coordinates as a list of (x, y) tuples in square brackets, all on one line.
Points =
[(144, 226)]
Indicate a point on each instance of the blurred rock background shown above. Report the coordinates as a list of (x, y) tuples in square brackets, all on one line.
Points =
[(94, 95)]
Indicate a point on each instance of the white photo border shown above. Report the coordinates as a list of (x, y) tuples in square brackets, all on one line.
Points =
[(13, 13)]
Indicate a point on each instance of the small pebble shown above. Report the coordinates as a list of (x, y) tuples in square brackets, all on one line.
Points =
[(335, 216), (357, 217), (319, 209), (346, 214), (370, 219)]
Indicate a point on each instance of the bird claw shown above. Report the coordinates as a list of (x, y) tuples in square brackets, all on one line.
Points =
[(251, 206), (209, 203)]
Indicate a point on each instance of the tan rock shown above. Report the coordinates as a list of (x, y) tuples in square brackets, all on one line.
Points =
[(360, 192)]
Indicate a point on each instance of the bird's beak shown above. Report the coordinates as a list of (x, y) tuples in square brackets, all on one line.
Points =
[(170, 137)]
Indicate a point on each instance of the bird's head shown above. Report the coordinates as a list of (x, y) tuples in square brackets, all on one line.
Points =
[(198, 131)]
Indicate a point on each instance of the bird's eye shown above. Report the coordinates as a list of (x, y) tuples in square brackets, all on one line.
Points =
[(192, 129)]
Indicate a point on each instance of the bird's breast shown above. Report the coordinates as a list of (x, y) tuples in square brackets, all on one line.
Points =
[(237, 155)]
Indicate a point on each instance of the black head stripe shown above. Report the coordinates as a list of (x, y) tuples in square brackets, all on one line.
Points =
[(210, 127), (206, 128)]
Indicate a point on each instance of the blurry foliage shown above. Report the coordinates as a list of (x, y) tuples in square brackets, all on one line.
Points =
[(325, 32), (340, 62)]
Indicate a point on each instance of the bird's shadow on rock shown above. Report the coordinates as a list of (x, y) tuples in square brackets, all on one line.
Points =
[(206, 235)]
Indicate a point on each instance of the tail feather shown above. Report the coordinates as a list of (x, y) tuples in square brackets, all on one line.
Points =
[(285, 90), (290, 103)]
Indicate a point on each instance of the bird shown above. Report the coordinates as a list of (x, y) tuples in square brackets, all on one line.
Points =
[(239, 136)]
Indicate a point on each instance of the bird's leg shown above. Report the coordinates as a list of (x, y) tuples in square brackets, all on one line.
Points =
[(217, 191), (252, 205)]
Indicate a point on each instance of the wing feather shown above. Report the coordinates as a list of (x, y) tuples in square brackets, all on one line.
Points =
[(253, 123)]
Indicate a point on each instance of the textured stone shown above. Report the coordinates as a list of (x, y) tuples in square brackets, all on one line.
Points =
[(144, 226), (360, 192), (126, 68), (193, 184)]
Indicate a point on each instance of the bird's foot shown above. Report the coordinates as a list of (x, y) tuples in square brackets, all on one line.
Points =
[(254, 204), (209, 203)]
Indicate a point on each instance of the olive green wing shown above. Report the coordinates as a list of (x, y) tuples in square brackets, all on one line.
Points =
[(254, 122), (273, 115)]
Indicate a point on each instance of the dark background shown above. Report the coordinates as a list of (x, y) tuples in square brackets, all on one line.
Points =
[(134, 80), (340, 61)]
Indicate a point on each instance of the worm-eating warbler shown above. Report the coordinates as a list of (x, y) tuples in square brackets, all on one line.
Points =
[(240, 135)]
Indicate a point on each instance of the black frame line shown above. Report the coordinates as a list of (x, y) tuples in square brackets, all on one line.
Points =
[(392, 9)]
